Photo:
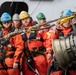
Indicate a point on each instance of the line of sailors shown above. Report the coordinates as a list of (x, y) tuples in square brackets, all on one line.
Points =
[(31, 53)]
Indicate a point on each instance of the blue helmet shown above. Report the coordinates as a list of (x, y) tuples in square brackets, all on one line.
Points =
[(5, 17), (67, 12)]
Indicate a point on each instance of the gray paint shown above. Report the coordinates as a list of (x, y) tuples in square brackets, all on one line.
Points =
[(51, 9)]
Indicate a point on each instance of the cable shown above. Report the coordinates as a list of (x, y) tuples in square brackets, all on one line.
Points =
[(36, 7), (11, 3)]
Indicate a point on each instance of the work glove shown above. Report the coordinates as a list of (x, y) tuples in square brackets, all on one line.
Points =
[(49, 55), (57, 24), (5, 42), (15, 65)]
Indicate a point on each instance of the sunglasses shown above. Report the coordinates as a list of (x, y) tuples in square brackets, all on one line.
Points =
[(6, 22)]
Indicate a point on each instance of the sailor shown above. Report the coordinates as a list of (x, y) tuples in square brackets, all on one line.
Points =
[(12, 46), (63, 28), (34, 44)]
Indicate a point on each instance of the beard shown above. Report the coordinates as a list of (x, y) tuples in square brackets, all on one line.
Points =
[(26, 24), (66, 26), (7, 26)]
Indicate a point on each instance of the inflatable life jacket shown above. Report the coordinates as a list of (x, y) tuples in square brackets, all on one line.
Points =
[(32, 34)]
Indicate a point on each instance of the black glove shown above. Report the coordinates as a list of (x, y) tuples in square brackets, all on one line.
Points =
[(5, 42)]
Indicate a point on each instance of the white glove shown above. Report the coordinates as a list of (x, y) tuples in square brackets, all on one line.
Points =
[(15, 65), (49, 55), (58, 24)]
